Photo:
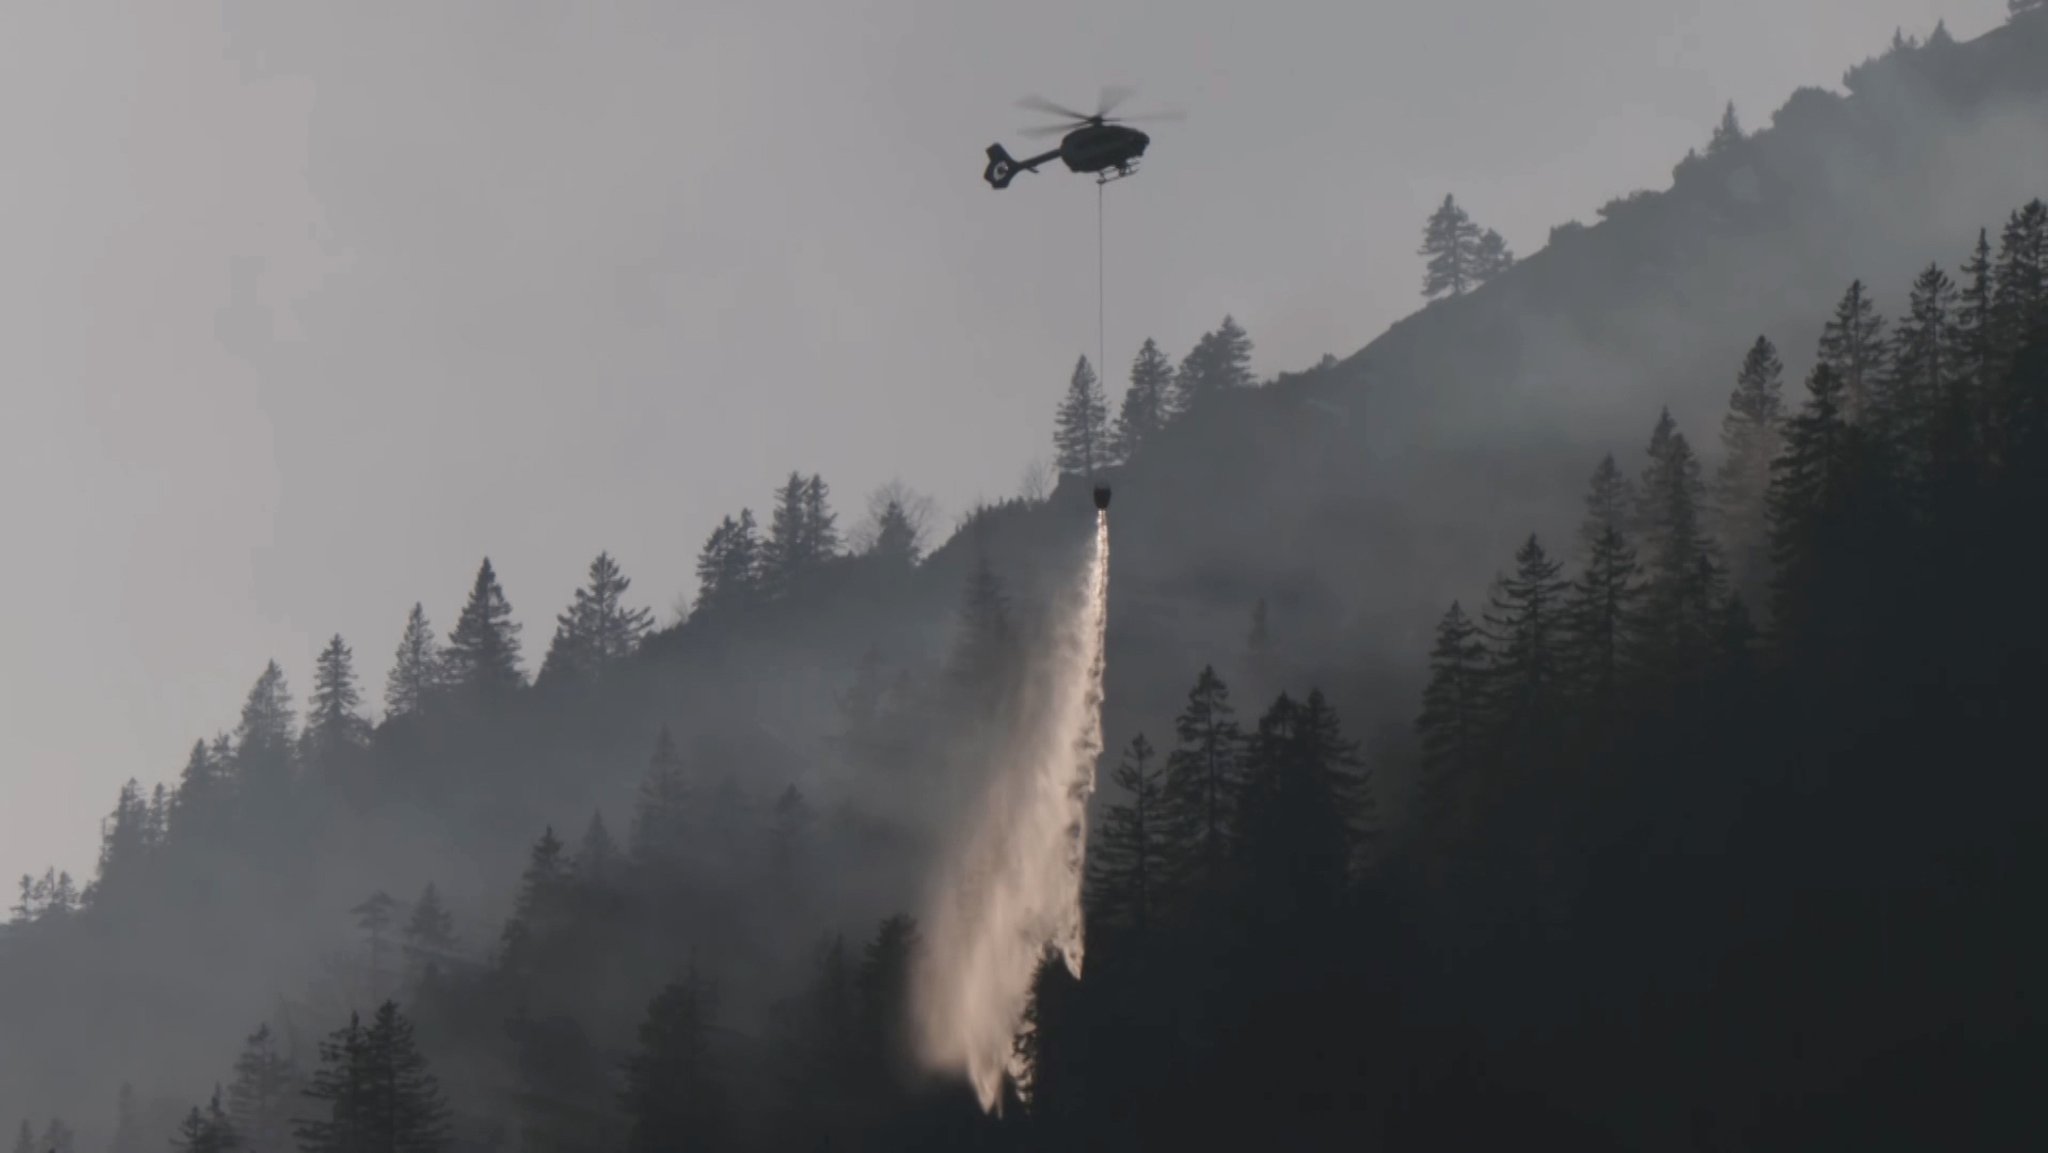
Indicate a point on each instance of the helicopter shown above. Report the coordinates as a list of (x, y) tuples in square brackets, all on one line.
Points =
[(1098, 143)]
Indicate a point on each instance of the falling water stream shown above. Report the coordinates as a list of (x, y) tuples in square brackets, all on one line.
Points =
[(1015, 888)]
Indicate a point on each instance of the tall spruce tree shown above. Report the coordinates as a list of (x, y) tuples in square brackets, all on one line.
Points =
[(1751, 434), (483, 649), (1727, 134), (25, 1139), (1491, 257), (1853, 345), (1452, 724), (821, 524), (597, 630), (1126, 860), (729, 565), (417, 671), (1600, 610), (1526, 624), (206, 1131), (540, 907), (1147, 403), (664, 818), (1203, 778), (1081, 429), (1925, 419), (264, 740), (1303, 808), (428, 936), (263, 1094), (337, 734), (1810, 488), (377, 1092), (675, 1097), (983, 666), (1450, 242), (1680, 596), (1219, 362)]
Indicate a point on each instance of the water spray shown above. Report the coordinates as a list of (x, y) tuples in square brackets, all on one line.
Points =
[(1014, 892)]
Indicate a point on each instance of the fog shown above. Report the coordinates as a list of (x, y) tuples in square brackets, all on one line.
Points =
[(307, 309), (311, 310)]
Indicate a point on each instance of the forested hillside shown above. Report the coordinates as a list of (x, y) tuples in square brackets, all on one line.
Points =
[(1597, 711)]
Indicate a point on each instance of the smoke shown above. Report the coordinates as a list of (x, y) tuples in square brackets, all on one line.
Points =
[(1013, 890)]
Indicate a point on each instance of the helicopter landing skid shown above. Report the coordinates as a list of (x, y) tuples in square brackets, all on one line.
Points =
[(1117, 173)]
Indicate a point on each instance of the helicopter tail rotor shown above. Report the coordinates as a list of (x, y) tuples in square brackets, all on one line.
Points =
[(1001, 168)]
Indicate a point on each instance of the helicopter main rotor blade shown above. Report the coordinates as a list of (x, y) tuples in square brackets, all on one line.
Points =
[(1045, 130), (1112, 95), (1174, 114), (1041, 104)]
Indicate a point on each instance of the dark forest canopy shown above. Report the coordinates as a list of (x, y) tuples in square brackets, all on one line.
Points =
[(1708, 822)]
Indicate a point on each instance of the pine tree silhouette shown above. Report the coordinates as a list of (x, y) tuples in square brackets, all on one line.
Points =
[(482, 656), (1450, 242), (417, 671), (1081, 429)]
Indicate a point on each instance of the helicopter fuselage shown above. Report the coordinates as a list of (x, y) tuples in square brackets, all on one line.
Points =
[(1100, 147)]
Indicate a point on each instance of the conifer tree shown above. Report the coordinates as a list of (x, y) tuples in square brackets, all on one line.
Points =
[(1450, 242), (263, 741), (1852, 344), (597, 856), (983, 664), (374, 919), (1727, 134), (1683, 573), (1219, 362), (597, 630), (206, 1131), (1491, 257), (1125, 862), (786, 554), (896, 537), (1147, 403), (882, 982), (124, 843), (1526, 624), (336, 732), (25, 1139), (1300, 816), (1976, 332), (1203, 777), (674, 1095), (1751, 432), (1600, 611), (417, 671), (821, 524), (538, 908), (378, 1094), (483, 649), (663, 820), (1452, 723), (1809, 487), (58, 1137), (729, 566), (1081, 430), (263, 1094), (429, 933), (200, 796), (1924, 399)]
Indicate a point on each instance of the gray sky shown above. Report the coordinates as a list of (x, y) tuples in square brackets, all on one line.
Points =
[(304, 309)]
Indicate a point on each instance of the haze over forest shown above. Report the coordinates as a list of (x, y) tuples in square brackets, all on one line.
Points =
[(364, 267), (1583, 709)]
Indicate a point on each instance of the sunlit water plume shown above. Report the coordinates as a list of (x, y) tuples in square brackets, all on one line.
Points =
[(1014, 889)]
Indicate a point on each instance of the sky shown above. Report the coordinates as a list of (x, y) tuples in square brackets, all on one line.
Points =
[(305, 309)]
